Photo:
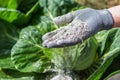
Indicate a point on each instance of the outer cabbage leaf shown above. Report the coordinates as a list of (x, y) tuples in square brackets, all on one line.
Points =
[(115, 65), (111, 49), (8, 37), (27, 53), (107, 40), (9, 74)]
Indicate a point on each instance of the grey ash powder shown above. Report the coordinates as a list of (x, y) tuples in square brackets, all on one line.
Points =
[(75, 32)]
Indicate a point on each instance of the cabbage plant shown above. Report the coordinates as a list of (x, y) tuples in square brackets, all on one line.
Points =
[(22, 56)]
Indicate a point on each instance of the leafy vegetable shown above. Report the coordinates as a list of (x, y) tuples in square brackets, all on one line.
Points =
[(22, 56), (77, 57), (8, 37)]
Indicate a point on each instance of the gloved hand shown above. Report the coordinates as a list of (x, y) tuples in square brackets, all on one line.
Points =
[(84, 23)]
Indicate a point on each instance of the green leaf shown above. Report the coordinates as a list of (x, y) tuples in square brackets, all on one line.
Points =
[(18, 17), (26, 5), (33, 9), (57, 7), (100, 36), (27, 53), (108, 39), (8, 37), (11, 4), (13, 16), (115, 65), (3, 3)]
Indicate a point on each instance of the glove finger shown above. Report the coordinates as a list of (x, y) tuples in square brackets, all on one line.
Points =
[(63, 42), (72, 40), (49, 40), (48, 35), (54, 44), (51, 44), (65, 18), (51, 34), (46, 41), (54, 37), (60, 43)]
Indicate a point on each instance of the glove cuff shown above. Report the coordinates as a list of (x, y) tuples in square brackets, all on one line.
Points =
[(107, 19)]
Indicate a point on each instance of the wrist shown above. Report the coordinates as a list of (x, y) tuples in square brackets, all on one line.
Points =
[(106, 18), (115, 11)]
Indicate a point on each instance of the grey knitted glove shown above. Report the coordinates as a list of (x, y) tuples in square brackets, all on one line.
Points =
[(82, 24)]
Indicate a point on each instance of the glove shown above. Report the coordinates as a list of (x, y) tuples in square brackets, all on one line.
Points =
[(82, 24)]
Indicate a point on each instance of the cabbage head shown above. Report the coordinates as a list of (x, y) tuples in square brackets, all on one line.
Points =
[(78, 57)]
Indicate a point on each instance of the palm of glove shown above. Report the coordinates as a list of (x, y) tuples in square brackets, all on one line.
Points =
[(84, 23)]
